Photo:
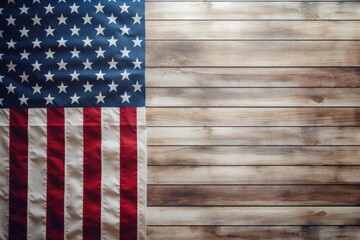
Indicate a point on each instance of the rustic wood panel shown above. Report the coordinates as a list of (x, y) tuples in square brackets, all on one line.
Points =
[(254, 175), (252, 30), (246, 53), (253, 77), (253, 117), (253, 195), (254, 232), (253, 155), (253, 215), (254, 136), (252, 10)]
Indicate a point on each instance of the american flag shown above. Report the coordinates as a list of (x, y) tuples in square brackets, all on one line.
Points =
[(72, 119)]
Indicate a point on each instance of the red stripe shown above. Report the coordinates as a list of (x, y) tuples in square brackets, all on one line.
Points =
[(18, 173), (92, 173), (55, 173), (128, 174)]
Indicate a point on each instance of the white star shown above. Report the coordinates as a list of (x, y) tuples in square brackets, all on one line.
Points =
[(100, 30), (36, 1), (74, 8), (24, 77), (99, 8), (24, 32), (137, 87), (74, 76), (1, 33), (10, 88), (1, 101), (124, 8), (1, 78), (11, 44), (25, 55), (36, 43), (75, 53), (24, 9), (11, 20), (49, 9), (136, 0), (62, 19), (88, 87), (23, 100), (49, 54), (74, 99), (62, 88), (62, 42), (87, 42), (113, 86), (11, 1), (50, 31), (74, 30), (36, 20), (49, 99), (87, 19), (125, 98), (36, 66), (112, 64), (99, 75), (137, 42), (112, 19), (125, 75), (137, 19), (100, 98), (100, 52), (124, 30), (137, 64), (125, 52), (37, 88), (49, 76), (62, 64), (11, 66), (112, 41), (87, 64), (1, 55)]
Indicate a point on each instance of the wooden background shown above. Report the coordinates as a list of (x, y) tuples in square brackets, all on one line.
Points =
[(254, 116)]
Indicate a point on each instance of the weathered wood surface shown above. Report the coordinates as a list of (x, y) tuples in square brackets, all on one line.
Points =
[(253, 77), (253, 116), (254, 232), (218, 175), (252, 10), (252, 30), (253, 155), (253, 215), (254, 136), (248, 53), (253, 195)]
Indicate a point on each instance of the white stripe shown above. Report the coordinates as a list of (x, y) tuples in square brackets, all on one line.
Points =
[(37, 156), (4, 173), (110, 184), (73, 211), (142, 177)]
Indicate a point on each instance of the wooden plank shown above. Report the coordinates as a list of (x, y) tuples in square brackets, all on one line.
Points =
[(253, 215), (253, 77), (253, 195), (253, 136), (253, 155), (252, 30), (253, 97), (253, 232), (252, 11), (250, 54), (253, 175), (253, 116)]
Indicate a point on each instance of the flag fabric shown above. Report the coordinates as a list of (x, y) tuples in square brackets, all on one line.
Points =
[(72, 119)]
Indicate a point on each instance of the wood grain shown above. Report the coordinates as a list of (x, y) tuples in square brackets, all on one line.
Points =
[(254, 232), (248, 54), (253, 195), (252, 10), (252, 30), (253, 116), (253, 155), (253, 77), (253, 175), (253, 136), (253, 215)]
